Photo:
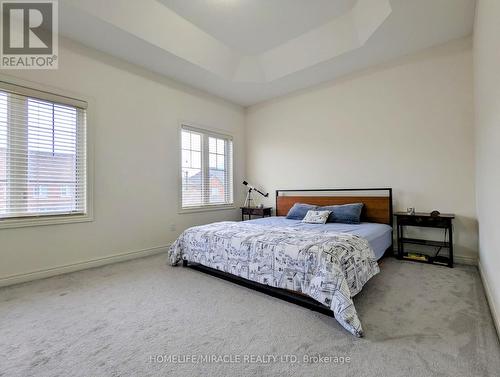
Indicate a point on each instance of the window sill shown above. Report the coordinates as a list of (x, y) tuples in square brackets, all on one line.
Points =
[(44, 220), (184, 211)]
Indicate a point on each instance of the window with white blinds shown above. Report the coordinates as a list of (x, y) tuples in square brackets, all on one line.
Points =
[(206, 169), (42, 154)]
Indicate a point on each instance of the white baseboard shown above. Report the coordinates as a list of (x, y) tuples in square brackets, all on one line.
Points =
[(489, 297), (471, 261), (41, 274)]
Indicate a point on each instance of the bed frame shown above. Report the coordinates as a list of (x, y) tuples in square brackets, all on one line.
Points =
[(377, 209)]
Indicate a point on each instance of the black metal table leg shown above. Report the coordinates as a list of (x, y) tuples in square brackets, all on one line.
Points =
[(450, 239)]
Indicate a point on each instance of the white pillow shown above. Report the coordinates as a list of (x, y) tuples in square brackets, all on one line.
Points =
[(316, 217)]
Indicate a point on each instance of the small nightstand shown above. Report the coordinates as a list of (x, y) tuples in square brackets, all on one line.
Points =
[(419, 219), (254, 211)]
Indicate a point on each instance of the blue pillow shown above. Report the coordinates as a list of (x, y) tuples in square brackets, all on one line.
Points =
[(346, 213), (299, 211)]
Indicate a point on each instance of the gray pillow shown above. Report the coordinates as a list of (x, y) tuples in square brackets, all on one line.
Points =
[(299, 211), (346, 213)]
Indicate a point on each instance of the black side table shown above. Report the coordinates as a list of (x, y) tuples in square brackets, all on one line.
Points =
[(419, 219), (254, 211)]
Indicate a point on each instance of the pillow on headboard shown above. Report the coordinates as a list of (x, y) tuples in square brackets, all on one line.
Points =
[(345, 213), (299, 211)]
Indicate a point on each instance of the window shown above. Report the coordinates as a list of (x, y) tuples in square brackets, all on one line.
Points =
[(43, 166), (41, 191), (66, 191), (3, 153), (206, 169)]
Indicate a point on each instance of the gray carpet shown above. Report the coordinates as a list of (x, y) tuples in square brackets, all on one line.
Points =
[(419, 320)]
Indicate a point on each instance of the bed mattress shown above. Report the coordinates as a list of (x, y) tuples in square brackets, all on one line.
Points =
[(379, 236)]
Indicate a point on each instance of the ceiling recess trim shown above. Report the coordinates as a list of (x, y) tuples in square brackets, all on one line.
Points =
[(175, 35)]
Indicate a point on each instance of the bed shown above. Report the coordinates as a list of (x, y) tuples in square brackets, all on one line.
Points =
[(320, 266)]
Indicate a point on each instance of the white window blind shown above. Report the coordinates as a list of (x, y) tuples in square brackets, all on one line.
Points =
[(42, 154), (206, 169)]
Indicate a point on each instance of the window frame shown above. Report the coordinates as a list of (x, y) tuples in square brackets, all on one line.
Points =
[(208, 132), (42, 220)]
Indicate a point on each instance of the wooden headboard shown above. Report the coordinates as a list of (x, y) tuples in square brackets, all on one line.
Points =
[(377, 201)]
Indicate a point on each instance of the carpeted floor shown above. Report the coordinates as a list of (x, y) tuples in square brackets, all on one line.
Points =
[(128, 319)]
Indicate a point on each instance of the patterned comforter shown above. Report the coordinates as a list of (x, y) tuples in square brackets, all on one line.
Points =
[(329, 267)]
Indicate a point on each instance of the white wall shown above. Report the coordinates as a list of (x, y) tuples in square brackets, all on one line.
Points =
[(412, 121), (487, 100), (135, 117), (408, 125)]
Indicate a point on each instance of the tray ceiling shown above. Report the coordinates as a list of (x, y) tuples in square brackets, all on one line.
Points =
[(254, 26), (248, 51)]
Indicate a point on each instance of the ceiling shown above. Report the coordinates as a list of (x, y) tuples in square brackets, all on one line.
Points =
[(248, 51), (254, 26)]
